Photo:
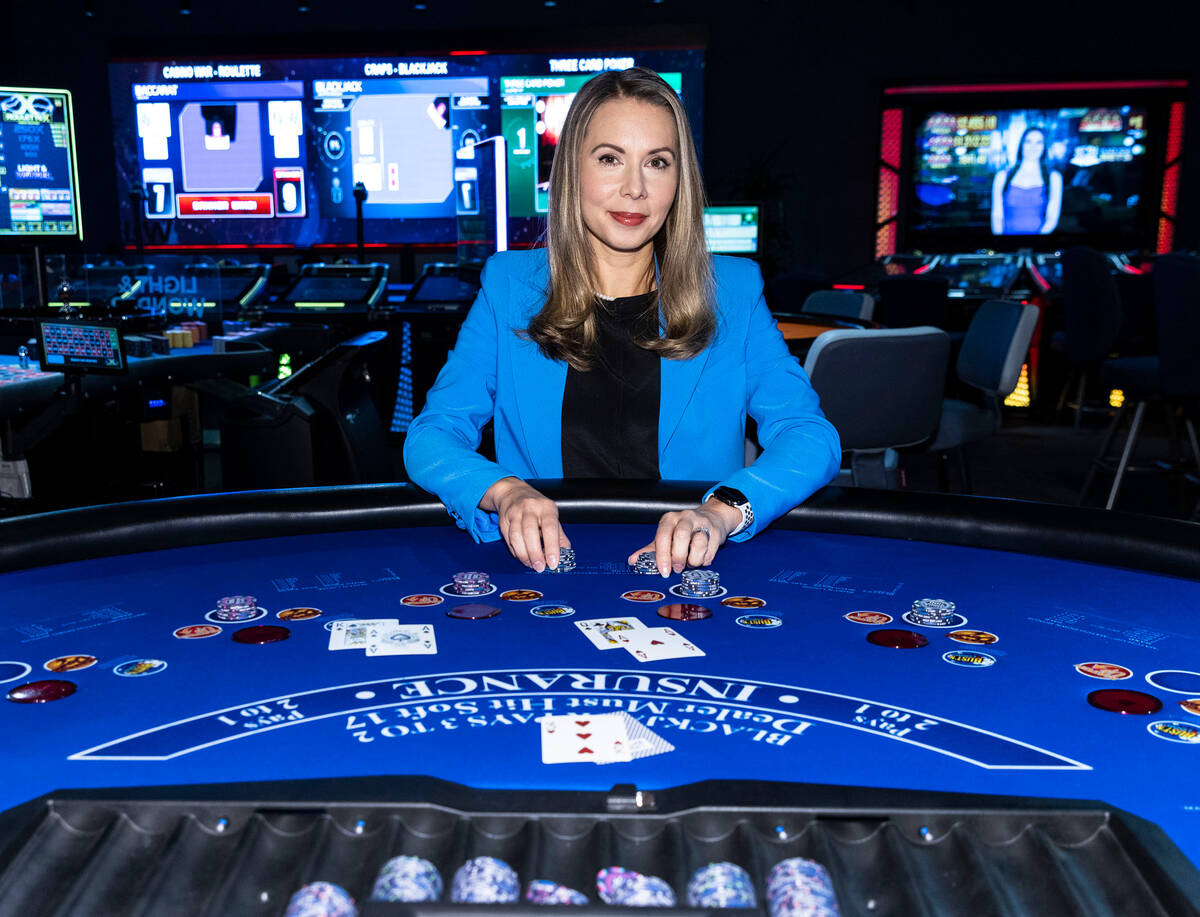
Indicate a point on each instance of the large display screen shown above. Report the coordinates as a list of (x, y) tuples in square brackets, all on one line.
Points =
[(39, 193), (270, 152), (1031, 172)]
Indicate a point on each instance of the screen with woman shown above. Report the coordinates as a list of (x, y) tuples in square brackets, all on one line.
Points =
[(1030, 172)]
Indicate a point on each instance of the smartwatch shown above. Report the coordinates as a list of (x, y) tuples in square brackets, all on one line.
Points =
[(738, 501)]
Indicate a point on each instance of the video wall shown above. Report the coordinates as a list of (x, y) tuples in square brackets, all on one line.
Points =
[(270, 152), (39, 194)]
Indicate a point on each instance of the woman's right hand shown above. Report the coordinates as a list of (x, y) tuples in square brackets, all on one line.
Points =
[(528, 522)]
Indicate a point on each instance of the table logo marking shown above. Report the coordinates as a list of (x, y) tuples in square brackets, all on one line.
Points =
[(1175, 731), (785, 706)]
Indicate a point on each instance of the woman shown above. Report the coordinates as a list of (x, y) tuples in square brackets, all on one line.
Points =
[(1027, 199), (621, 350)]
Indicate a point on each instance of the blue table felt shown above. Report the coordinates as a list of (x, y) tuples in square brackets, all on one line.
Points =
[(808, 701)]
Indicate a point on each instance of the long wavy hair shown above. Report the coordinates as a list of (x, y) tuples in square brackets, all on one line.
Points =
[(1012, 173), (565, 328)]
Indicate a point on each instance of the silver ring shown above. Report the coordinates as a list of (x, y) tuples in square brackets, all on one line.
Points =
[(707, 533)]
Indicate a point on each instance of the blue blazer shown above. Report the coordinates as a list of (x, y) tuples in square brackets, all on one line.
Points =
[(493, 374)]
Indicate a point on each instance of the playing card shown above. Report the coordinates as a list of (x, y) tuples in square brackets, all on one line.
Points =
[(643, 741), (654, 643), (602, 631), (600, 739), (401, 640), (352, 635)]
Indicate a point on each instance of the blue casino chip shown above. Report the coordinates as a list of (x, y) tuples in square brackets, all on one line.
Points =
[(321, 899), (409, 879), (485, 880)]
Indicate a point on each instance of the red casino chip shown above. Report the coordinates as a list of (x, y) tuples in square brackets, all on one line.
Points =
[(898, 639), (264, 633), (1119, 700), (682, 611), (41, 692)]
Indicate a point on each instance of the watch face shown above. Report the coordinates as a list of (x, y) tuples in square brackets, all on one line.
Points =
[(730, 496)]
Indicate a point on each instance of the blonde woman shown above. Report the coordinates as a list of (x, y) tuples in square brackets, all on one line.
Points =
[(621, 350)]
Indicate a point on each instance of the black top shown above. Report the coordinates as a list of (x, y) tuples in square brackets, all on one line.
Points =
[(610, 413)]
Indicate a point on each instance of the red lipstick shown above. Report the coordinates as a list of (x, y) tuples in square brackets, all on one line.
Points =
[(627, 219)]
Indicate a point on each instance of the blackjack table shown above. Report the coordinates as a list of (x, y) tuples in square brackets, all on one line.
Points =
[(953, 705)]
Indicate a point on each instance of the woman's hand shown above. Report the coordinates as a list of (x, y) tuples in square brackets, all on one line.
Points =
[(528, 522), (691, 538)]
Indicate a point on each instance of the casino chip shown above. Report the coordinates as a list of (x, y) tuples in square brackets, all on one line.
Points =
[(800, 888), (566, 561), (321, 899), (485, 880), (237, 601), (932, 613), (721, 885), (472, 583), (625, 888), (409, 879), (647, 562), (700, 584), (543, 891)]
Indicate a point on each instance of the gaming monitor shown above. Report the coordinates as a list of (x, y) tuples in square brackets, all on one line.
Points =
[(1028, 172), (1041, 166), (39, 190), (77, 347), (268, 153), (732, 229)]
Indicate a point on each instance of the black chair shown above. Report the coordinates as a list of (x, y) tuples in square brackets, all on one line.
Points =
[(990, 359), (1171, 378), (1092, 317), (840, 304), (909, 300), (317, 426), (882, 390)]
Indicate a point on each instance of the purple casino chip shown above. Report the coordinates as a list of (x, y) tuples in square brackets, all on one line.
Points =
[(545, 892)]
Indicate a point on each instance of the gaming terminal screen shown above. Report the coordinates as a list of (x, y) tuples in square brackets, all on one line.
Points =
[(1002, 176), (39, 193), (269, 152)]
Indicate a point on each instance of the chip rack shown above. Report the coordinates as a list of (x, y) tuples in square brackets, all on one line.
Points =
[(244, 849)]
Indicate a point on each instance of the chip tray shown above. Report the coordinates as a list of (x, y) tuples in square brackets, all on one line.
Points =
[(218, 851)]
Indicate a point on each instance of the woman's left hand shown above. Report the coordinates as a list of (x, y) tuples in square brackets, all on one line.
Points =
[(691, 538)]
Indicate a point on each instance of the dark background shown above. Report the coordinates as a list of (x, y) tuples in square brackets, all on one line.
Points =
[(793, 89)]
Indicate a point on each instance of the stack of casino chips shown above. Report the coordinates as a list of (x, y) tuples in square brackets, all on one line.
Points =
[(566, 561), (321, 899), (472, 583), (647, 562), (626, 888), (721, 885), (800, 888), (409, 879), (543, 891), (485, 880), (238, 607), (932, 612), (701, 584)]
